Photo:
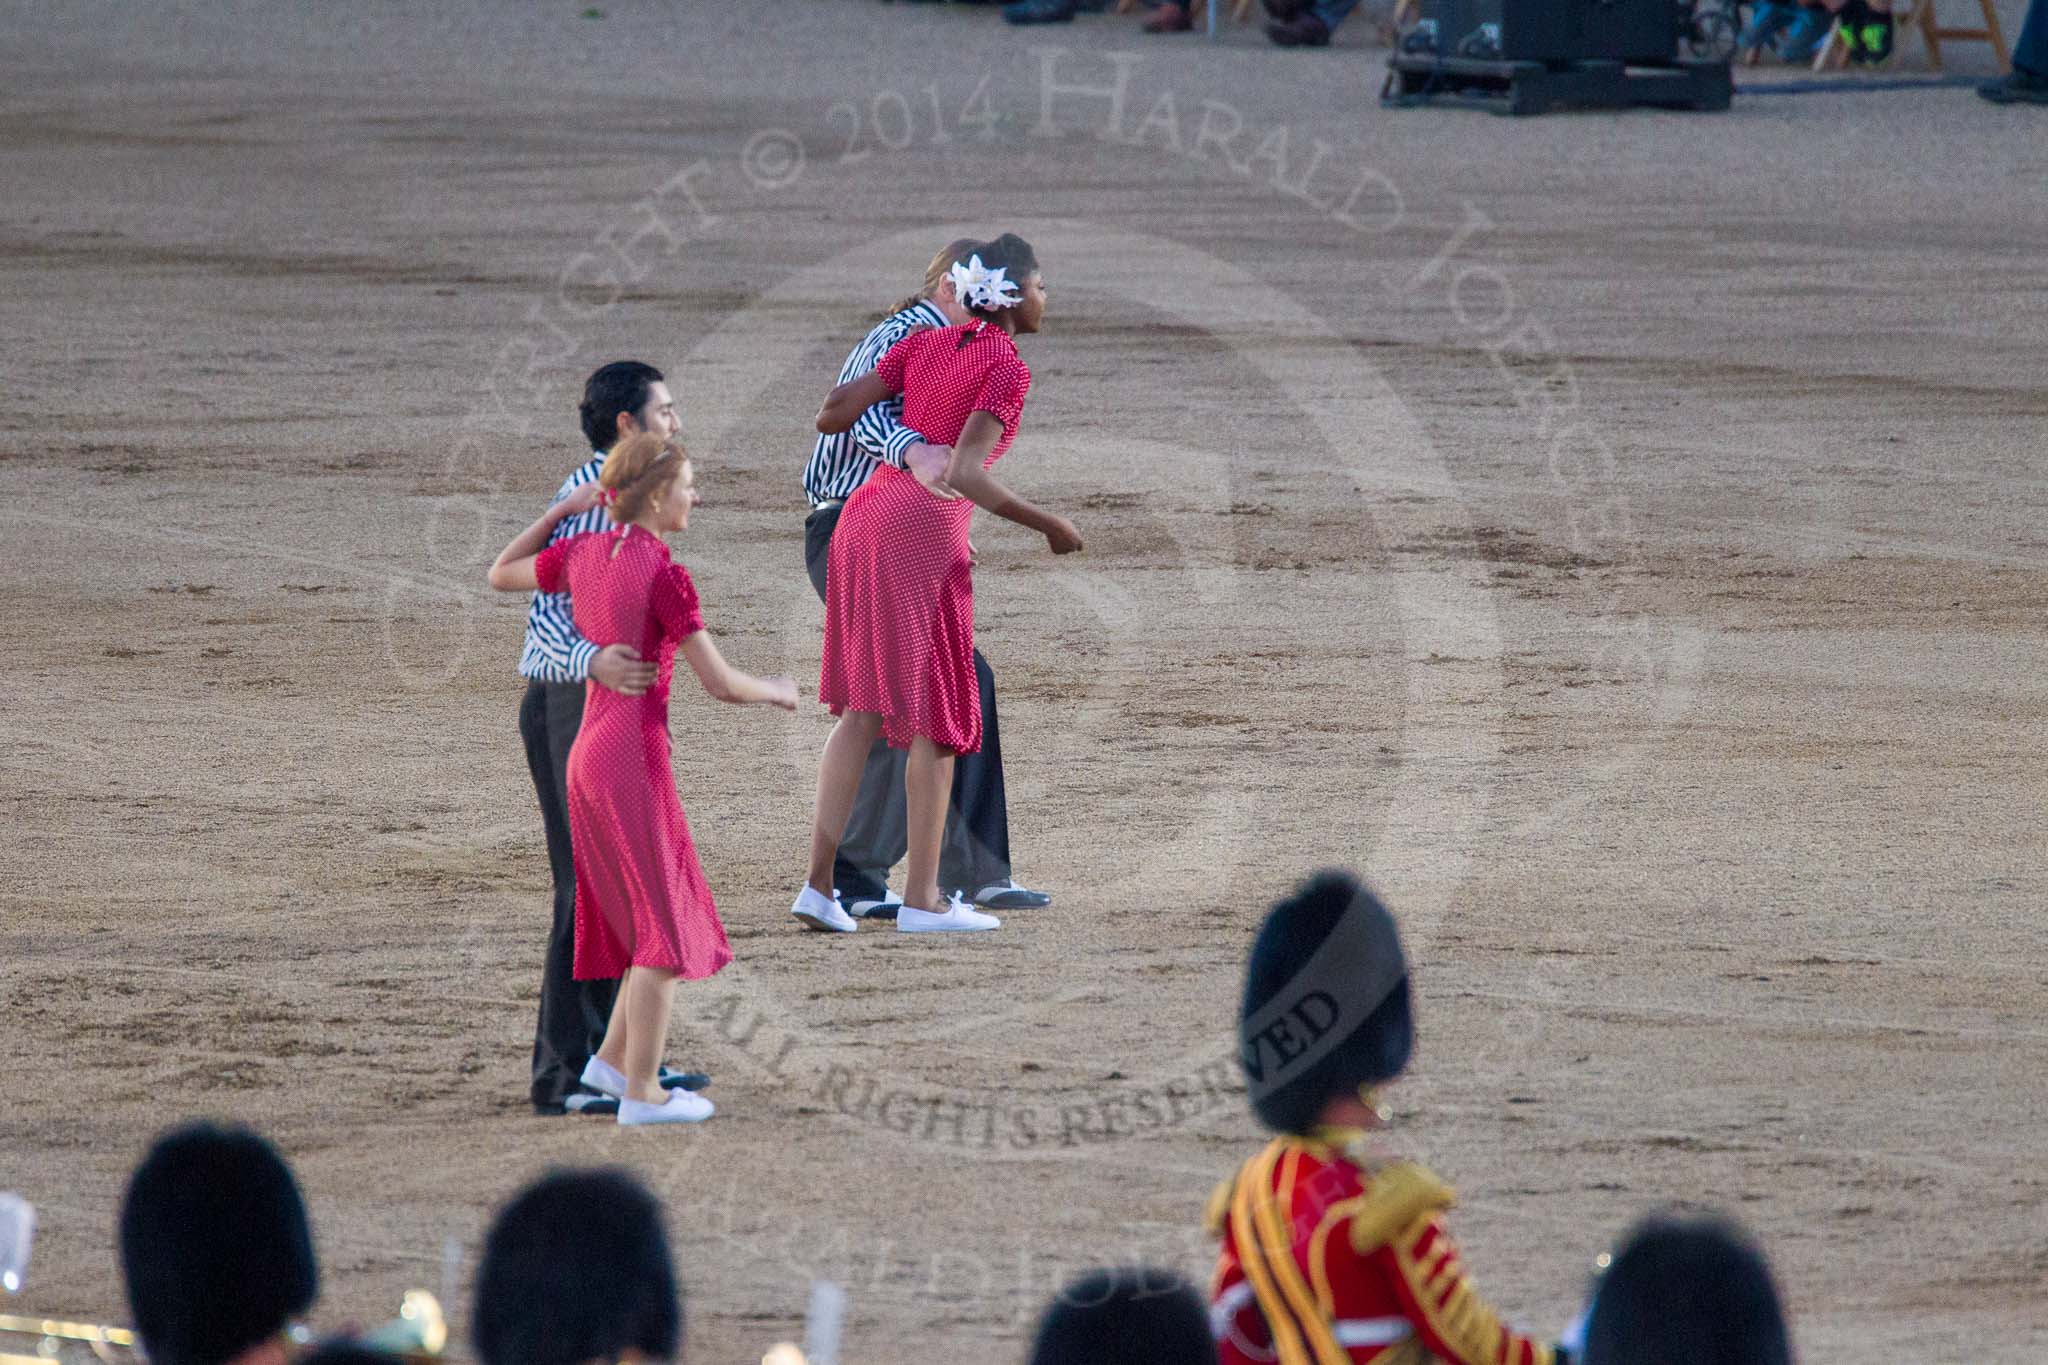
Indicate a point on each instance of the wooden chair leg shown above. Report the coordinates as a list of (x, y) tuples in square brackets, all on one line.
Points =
[(1930, 34), (1242, 11), (1996, 33)]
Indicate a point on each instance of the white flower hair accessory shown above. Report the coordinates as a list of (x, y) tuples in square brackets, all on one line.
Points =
[(977, 286)]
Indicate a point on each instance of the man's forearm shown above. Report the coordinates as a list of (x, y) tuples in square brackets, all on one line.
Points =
[(880, 432)]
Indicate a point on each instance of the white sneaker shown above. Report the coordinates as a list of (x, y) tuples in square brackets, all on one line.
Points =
[(958, 918), (822, 913), (681, 1106), (601, 1076), (885, 908)]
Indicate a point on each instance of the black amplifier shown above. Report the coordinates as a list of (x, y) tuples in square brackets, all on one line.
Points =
[(1642, 32)]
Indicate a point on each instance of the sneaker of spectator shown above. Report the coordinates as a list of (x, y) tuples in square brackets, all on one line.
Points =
[(216, 1250), (1132, 1316), (2021, 87), (1049, 11), (1866, 29), (576, 1269), (1690, 1289), (1171, 17)]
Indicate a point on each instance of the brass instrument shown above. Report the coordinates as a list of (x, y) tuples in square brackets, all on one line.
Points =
[(47, 1340), (418, 1334)]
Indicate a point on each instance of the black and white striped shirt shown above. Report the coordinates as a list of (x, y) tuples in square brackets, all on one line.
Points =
[(842, 463), (555, 651)]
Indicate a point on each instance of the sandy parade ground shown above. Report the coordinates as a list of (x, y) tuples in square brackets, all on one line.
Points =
[(1622, 537)]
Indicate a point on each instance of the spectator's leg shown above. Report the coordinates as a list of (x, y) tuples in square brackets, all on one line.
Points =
[(2030, 54), (1171, 17), (2027, 83), (1333, 12), (1804, 35)]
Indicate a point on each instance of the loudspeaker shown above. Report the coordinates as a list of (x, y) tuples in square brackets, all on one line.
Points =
[(1643, 32)]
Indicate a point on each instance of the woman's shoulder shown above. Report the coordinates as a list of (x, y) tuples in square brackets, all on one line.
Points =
[(673, 574), (937, 338), (1011, 362), (570, 546)]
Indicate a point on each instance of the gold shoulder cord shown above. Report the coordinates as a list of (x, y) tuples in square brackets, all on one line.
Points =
[(1300, 1336), (1399, 1194), (1218, 1208)]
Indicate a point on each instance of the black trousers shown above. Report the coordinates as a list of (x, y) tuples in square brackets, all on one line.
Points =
[(976, 850), (573, 1013)]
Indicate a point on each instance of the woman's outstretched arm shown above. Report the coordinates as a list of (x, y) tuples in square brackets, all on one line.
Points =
[(966, 476), (513, 571), (723, 682), (845, 404)]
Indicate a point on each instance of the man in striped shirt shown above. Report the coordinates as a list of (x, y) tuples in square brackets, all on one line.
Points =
[(618, 400), (975, 858)]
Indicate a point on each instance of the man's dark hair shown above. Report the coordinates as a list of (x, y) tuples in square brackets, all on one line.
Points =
[(1131, 1316), (215, 1246), (576, 1269), (622, 386), (1687, 1292)]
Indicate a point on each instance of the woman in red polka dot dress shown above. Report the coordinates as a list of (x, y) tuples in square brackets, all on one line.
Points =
[(899, 610), (643, 910)]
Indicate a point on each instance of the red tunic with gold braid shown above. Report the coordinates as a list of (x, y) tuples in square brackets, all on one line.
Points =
[(1328, 1260)]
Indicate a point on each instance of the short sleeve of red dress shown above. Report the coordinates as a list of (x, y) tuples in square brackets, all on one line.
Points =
[(896, 360), (675, 604), (1002, 391), (550, 567)]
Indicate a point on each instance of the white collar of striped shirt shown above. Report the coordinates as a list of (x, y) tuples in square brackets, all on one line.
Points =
[(931, 310)]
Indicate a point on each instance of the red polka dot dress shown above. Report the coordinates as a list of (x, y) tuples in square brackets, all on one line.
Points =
[(899, 593), (641, 898)]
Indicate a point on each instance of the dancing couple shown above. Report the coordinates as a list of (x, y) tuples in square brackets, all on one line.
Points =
[(641, 913), (611, 609), (893, 561)]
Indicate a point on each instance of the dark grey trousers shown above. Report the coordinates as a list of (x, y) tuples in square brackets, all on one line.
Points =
[(976, 851), (573, 1014)]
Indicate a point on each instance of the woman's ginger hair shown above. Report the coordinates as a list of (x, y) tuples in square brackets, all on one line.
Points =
[(959, 249), (636, 472)]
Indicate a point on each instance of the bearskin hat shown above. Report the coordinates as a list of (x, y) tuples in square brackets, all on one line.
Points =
[(1326, 1006), (215, 1246)]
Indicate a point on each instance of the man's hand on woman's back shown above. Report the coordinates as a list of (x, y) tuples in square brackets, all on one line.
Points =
[(619, 668), (927, 463)]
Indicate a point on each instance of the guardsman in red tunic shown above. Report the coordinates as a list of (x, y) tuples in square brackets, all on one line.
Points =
[(1332, 1255)]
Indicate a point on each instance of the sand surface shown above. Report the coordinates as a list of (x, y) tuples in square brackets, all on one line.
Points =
[(1622, 536)]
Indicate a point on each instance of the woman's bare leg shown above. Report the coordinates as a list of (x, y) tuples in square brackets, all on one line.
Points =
[(612, 1052), (654, 991), (928, 787), (846, 755)]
